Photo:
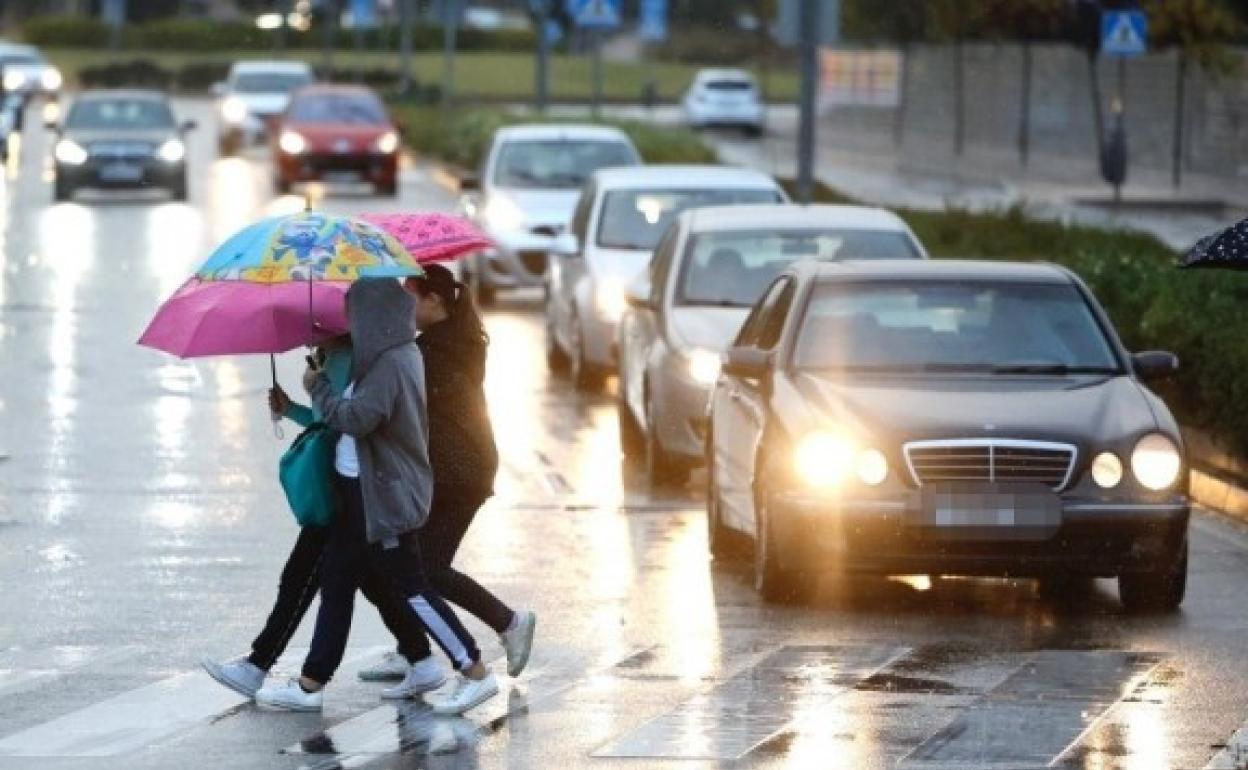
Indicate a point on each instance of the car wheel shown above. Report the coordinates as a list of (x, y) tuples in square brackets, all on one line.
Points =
[(1064, 588), (178, 190), (388, 189), (62, 190), (485, 295), (662, 469), (753, 131), (282, 184), (774, 582), (1158, 590), (228, 145), (721, 541), (556, 358), (632, 440), (586, 377)]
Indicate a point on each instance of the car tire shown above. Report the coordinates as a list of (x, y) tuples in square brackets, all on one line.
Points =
[(485, 295), (723, 543), (753, 132), (556, 358), (388, 189), (1064, 588), (282, 185), (774, 582), (663, 471), (62, 190), (632, 438), (586, 377), (229, 145), (179, 190), (1157, 590)]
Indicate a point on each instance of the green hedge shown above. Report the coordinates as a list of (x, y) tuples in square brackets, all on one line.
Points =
[(462, 137), (67, 31), (1199, 315)]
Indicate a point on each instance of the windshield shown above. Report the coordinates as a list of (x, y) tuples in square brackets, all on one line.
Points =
[(557, 164), (733, 268), (19, 58), (338, 108), (270, 82), (123, 114), (1004, 328), (636, 219)]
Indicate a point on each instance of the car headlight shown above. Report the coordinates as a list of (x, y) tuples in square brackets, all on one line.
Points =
[(234, 110), (51, 79), (172, 151), (13, 81), (501, 214), (1107, 470), (610, 299), (826, 459), (1156, 462), (291, 143), (70, 153), (703, 366), (387, 143)]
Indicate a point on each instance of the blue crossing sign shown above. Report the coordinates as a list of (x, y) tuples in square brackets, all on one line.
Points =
[(595, 14), (1124, 33)]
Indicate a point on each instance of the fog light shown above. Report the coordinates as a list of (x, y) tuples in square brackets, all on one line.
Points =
[(872, 467), (1107, 470)]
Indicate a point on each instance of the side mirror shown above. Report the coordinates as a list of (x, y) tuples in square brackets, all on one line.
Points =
[(638, 293), (1155, 365), (566, 245), (189, 125), (469, 183), (219, 89), (748, 362)]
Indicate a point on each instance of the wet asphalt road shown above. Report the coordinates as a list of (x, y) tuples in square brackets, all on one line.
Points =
[(141, 527)]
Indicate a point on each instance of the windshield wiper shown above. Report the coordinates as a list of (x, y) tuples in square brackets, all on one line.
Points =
[(1054, 369)]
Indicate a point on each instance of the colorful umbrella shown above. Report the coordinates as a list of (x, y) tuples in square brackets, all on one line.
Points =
[(275, 286), (1227, 250), (432, 237)]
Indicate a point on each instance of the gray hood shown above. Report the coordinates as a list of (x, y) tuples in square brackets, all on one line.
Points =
[(381, 316)]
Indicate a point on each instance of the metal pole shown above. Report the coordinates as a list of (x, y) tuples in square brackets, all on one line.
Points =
[(899, 114), (283, 10), (327, 42), (959, 98), (542, 63), (809, 38), (450, 29), (1024, 116), (596, 41), (406, 19), (1180, 97)]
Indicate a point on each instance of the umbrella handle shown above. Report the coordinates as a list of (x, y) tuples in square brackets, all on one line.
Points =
[(277, 425)]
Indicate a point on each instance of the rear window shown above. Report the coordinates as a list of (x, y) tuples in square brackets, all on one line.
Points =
[(729, 85), (270, 82), (338, 108)]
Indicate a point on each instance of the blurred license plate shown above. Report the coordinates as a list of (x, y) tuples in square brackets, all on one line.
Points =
[(978, 511), (121, 172), (342, 177)]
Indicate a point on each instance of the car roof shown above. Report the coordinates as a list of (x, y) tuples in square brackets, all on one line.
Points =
[(756, 216), (934, 270), (562, 131), (724, 73), (270, 66), (122, 93), (674, 177)]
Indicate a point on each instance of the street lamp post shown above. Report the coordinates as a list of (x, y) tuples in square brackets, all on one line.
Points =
[(809, 43)]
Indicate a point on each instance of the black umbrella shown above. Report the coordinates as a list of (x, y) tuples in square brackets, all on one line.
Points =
[(1227, 250)]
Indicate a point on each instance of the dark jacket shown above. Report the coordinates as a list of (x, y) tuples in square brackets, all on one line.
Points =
[(386, 412), (461, 440)]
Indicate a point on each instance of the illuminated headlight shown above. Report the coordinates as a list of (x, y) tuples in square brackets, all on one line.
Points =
[(51, 79), (703, 366), (70, 153), (1107, 470), (233, 110), (387, 143), (172, 151), (825, 459), (501, 214), (1156, 462), (292, 143), (13, 81), (611, 300)]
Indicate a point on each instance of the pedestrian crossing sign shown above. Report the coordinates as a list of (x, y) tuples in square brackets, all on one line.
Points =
[(1124, 33), (595, 14)]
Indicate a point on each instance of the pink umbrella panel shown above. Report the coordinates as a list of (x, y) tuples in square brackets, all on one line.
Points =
[(432, 237), (210, 318)]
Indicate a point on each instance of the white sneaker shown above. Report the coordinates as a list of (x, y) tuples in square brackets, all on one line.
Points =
[(289, 696), (240, 675), (391, 668), (467, 695), (424, 676), (518, 642)]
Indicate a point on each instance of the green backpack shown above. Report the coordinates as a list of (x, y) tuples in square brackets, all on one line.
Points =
[(307, 475)]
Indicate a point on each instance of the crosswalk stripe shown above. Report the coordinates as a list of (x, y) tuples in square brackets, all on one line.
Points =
[(139, 717), (24, 669), (1037, 714), (733, 718)]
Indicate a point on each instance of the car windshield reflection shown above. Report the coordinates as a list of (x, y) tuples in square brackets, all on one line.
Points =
[(102, 114), (557, 165), (636, 219)]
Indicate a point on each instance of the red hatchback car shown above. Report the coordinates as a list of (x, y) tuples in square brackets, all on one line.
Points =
[(336, 133)]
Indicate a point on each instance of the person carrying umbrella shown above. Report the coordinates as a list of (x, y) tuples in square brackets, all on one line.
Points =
[(385, 484)]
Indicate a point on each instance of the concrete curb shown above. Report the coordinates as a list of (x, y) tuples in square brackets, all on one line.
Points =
[(1222, 496)]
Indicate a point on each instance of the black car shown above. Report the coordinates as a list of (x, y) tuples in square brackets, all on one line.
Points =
[(121, 139), (947, 418)]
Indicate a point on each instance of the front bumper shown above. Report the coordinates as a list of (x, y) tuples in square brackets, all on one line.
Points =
[(680, 410), (253, 129), (881, 536), (518, 260), (377, 168), (136, 174)]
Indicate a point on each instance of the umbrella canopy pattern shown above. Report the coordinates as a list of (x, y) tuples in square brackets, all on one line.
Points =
[(309, 246), (432, 237), (1227, 250)]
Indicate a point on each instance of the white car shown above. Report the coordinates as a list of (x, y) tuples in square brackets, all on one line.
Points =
[(684, 311), (529, 183), (621, 215), (26, 72), (724, 98), (253, 96)]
